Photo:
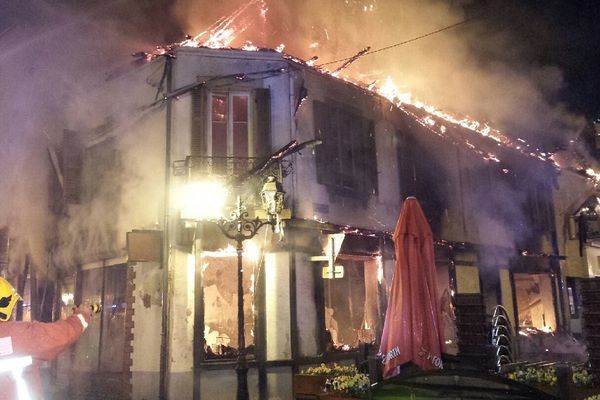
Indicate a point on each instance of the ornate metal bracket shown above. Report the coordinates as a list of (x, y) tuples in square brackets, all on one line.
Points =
[(239, 226)]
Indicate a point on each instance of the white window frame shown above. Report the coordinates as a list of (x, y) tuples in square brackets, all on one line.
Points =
[(251, 111)]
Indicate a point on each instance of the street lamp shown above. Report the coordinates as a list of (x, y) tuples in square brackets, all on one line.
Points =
[(207, 201), (240, 227)]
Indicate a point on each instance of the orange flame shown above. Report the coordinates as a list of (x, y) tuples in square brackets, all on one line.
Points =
[(224, 31)]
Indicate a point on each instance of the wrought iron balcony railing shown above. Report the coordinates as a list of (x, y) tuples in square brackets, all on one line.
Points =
[(228, 168)]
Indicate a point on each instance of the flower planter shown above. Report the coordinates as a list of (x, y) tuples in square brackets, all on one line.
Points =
[(575, 392), (552, 390), (581, 392), (306, 386)]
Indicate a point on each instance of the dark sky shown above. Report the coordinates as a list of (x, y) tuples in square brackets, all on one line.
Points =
[(550, 32)]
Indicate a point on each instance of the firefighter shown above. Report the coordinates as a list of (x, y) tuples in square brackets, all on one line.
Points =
[(24, 346)]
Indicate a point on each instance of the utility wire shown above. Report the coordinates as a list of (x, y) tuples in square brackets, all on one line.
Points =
[(401, 43)]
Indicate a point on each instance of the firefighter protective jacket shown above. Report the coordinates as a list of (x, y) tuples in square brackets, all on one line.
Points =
[(43, 342)]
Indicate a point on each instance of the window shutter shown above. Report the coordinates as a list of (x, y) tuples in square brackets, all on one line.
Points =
[(262, 137), (326, 153), (368, 158), (72, 165), (199, 117)]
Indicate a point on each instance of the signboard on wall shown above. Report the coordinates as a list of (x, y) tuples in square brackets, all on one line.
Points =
[(144, 246), (467, 279)]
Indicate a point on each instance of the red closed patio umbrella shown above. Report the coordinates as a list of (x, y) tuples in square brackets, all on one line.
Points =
[(412, 331)]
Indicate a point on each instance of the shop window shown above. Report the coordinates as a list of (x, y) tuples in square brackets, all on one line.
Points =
[(219, 286), (535, 303), (351, 305)]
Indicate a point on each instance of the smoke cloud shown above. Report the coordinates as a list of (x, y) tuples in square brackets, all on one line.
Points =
[(474, 69), (53, 59), (56, 54)]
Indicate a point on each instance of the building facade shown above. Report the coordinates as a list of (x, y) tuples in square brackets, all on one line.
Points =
[(315, 291)]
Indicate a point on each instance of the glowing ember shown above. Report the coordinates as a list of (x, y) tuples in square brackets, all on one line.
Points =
[(221, 34), (390, 91), (248, 46)]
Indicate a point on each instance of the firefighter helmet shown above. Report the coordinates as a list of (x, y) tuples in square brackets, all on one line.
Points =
[(8, 299)]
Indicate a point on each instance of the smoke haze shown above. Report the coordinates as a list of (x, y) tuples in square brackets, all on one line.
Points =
[(475, 69), (53, 54)]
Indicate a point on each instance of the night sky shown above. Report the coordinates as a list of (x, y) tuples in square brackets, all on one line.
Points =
[(561, 33)]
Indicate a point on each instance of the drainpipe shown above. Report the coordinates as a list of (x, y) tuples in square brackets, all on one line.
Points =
[(165, 259), (102, 298), (563, 322)]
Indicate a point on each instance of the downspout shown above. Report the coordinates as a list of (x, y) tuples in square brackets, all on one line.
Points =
[(165, 253), (102, 298)]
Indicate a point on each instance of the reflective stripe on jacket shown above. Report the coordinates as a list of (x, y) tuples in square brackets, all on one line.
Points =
[(43, 342)]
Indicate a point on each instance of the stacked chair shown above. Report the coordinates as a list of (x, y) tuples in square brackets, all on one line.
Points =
[(502, 337)]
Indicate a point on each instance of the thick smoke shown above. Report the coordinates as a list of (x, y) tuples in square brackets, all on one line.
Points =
[(53, 58), (475, 69), (54, 54)]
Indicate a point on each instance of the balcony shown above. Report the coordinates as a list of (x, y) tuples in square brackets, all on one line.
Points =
[(231, 169)]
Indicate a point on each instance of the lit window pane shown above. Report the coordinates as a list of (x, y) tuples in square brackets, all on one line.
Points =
[(240, 108), (219, 132), (240, 139), (351, 305), (534, 301), (219, 108)]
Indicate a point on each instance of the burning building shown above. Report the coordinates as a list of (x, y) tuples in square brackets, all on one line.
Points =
[(314, 289)]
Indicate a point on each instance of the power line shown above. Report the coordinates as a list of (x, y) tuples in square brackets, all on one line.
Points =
[(401, 43)]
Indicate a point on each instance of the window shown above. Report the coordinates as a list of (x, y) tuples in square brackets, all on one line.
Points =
[(351, 305), (219, 286), (535, 303), (230, 124), (229, 127), (346, 161)]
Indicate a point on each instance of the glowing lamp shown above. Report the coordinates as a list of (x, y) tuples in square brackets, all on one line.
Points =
[(203, 200), (272, 196)]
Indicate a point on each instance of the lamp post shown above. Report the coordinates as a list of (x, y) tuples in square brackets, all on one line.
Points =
[(240, 227), (206, 199)]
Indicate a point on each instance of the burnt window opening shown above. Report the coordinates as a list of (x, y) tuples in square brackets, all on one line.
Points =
[(346, 160), (229, 125), (219, 288), (351, 303), (535, 302)]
